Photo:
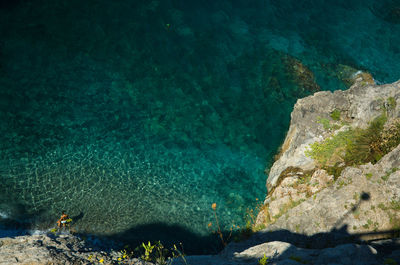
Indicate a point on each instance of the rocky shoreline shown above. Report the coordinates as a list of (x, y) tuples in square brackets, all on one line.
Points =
[(61, 248), (333, 210)]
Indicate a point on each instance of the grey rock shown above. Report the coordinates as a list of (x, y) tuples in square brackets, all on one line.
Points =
[(54, 249), (348, 254), (358, 105)]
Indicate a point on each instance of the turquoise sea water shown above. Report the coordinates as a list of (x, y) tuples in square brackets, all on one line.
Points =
[(136, 116)]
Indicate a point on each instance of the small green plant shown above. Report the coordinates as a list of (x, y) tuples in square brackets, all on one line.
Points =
[(325, 123), (376, 226), (160, 254), (177, 253), (388, 173), (391, 103), (335, 115), (382, 206), (368, 224), (243, 233), (356, 214), (335, 170), (368, 176), (124, 255), (385, 177), (148, 249), (259, 227), (156, 253), (263, 260), (395, 205), (341, 183)]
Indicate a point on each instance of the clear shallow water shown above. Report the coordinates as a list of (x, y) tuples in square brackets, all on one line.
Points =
[(128, 115)]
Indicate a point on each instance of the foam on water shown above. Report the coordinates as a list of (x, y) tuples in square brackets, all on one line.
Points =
[(3, 215)]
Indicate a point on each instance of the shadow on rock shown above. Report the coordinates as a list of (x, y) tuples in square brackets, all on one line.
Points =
[(337, 246)]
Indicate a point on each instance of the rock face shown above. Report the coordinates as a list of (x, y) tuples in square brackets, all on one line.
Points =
[(363, 199), (315, 213), (57, 249), (358, 106), (278, 252), (298, 186)]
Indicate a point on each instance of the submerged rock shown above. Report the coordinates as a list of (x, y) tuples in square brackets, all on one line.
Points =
[(349, 75), (300, 74)]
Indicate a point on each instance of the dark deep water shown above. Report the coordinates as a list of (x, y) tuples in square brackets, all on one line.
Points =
[(136, 116)]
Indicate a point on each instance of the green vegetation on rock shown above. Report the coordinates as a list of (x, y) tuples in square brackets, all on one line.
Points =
[(335, 115), (263, 260), (391, 101), (366, 145), (326, 123), (356, 146), (332, 147), (287, 207)]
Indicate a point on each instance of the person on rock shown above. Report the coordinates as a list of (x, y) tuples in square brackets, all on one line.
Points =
[(63, 220)]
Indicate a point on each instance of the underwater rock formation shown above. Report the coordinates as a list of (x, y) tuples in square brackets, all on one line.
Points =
[(300, 74)]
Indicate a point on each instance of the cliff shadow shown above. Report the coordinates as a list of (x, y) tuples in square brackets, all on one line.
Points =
[(168, 235), (131, 239), (336, 246)]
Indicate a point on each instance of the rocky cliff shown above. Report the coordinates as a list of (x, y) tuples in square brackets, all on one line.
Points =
[(319, 174), (334, 190)]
